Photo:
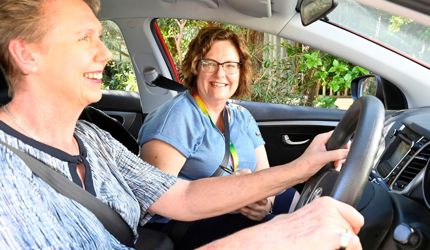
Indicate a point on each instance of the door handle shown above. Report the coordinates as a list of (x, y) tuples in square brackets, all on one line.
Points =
[(286, 139)]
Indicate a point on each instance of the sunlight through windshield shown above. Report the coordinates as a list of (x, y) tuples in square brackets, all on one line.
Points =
[(402, 34)]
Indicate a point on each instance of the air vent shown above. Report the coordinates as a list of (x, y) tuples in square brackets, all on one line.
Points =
[(414, 167)]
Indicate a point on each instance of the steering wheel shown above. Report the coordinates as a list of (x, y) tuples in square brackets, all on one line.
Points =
[(365, 120)]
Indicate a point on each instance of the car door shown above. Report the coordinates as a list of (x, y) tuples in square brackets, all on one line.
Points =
[(288, 129)]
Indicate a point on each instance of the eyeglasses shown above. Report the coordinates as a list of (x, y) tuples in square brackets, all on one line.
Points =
[(212, 66)]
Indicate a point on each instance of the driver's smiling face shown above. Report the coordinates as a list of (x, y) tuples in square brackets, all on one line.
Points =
[(72, 51)]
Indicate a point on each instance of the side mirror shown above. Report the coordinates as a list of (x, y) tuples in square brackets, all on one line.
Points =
[(388, 93), (312, 10), (366, 85)]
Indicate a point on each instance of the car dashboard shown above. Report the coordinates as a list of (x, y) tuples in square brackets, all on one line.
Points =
[(401, 167)]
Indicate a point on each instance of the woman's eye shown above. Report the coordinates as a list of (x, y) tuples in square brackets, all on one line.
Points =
[(84, 38)]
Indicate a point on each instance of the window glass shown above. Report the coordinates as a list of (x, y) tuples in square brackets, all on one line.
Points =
[(284, 71), (118, 73)]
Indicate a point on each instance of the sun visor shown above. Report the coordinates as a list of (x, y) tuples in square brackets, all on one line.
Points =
[(255, 8)]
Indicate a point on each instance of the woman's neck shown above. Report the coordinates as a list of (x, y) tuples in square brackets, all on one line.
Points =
[(215, 110), (46, 123)]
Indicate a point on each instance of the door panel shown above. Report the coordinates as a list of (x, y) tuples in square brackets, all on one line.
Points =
[(300, 124)]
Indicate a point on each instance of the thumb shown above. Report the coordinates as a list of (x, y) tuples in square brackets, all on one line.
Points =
[(243, 171)]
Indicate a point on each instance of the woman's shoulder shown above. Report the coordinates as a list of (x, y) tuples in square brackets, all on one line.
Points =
[(89, 130), (238, 110), (179, 108)]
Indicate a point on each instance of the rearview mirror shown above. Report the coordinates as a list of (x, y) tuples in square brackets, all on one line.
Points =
[(312, 10)]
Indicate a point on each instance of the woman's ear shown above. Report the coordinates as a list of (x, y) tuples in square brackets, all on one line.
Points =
[(23, 55)]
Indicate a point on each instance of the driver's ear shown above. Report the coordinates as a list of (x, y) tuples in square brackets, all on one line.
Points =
[(24, 55)]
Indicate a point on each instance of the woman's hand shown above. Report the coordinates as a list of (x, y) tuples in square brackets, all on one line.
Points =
[(323, 224), (316, 156), (257, 210)]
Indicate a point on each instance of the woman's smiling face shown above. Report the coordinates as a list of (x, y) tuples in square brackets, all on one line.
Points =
[(218, 87), (72, 56)]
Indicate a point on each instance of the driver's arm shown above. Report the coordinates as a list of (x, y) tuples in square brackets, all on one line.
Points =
[(219, 195), (318, 225)]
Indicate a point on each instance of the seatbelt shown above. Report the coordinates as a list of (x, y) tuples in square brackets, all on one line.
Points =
[(152, 78), (110, 219), (179, 228), (224, 164)]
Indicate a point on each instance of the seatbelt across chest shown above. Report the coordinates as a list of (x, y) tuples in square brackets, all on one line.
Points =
[(110, 219)]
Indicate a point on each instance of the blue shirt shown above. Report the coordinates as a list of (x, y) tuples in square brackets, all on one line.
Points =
[(181, 123), (34, 216)]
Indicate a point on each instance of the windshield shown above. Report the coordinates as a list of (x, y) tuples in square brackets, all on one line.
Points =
[(398, 33)]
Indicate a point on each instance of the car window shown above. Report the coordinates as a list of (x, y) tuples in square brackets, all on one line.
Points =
[(119, 73), (284, 71)]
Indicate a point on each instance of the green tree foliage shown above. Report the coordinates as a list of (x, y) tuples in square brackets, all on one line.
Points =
[(302, 76), (296, 78), (118, 73)]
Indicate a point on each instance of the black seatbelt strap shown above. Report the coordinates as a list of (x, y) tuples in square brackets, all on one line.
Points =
[(153, 78), (178, 229), (111, 220), (224, 164)]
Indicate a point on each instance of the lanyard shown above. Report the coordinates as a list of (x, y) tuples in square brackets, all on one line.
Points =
[(233, 152)]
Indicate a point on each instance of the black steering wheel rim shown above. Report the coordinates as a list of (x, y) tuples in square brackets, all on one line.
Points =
[(365, 120)]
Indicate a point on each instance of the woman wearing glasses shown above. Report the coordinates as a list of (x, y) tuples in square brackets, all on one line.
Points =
[(187, 136)]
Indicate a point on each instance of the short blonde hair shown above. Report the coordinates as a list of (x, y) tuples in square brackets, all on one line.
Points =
[(23, 19), (201, 45)]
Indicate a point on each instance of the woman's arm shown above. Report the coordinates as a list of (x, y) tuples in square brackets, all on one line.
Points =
[(259, 209), (207, 197), (162, 155), (319, 225)]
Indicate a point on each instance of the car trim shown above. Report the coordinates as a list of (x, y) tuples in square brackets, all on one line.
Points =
[(290, 123)]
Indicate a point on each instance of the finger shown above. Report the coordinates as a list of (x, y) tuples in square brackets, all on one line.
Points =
[(254, 213), (262, 202), (347, 241), (352, 216), (256, 206), (338, 165), (324, 136), (354, 243), (335, 155), (255, 217)]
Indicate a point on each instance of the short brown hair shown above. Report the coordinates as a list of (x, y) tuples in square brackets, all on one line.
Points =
[(201, 45), (23, 19)]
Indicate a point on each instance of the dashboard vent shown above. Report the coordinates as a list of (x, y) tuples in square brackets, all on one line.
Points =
[(414, 167)]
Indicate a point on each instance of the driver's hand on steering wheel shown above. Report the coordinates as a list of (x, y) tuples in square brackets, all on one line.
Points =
[(338, 164), (316, 156)]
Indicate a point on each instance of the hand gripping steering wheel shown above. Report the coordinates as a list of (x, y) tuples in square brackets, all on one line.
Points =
[(363, 121)]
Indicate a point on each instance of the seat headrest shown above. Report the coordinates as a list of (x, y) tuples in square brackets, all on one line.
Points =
[(4, 88)]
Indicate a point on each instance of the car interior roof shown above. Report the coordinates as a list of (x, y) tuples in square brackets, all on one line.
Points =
[(230, 11)]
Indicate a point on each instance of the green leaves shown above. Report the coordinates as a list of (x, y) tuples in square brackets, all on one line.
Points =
[(284, 71), (118, 73), (312, 60)]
